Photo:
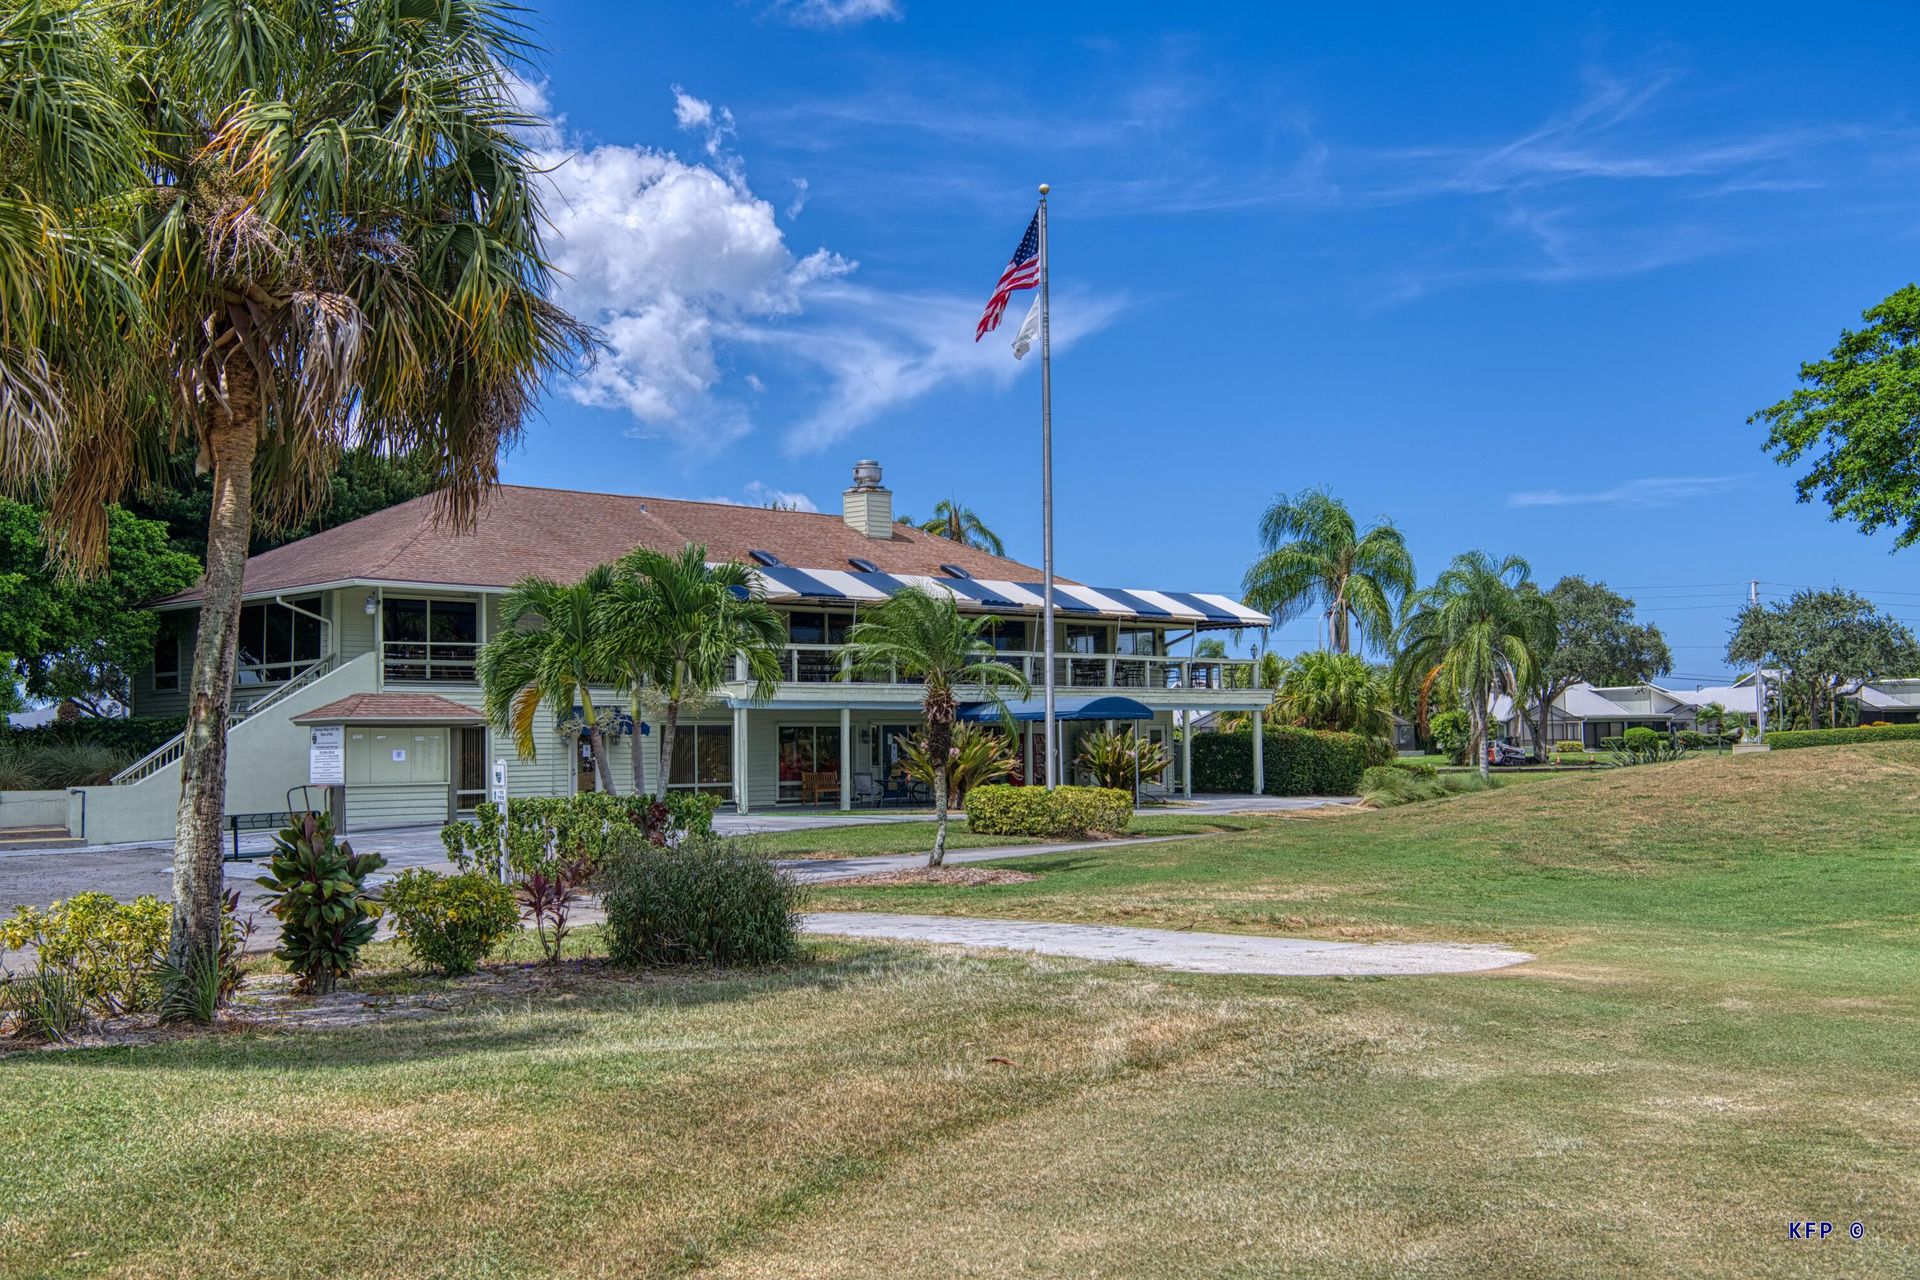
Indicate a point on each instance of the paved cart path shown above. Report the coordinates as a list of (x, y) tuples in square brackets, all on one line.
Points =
[(1174, 949)]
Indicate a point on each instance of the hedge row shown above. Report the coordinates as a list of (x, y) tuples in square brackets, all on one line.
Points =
[(1298, 762), (135, 735), (1789, 739), (1073, 812)]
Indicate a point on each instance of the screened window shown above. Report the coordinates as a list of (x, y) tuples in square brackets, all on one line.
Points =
[(809, 761), (276, 641), (1006, 635), (1139, 642), (1083, 639), (812, 626), (703, 759), (429, 639)]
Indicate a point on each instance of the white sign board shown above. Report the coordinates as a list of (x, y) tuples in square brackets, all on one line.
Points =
[(499, 781), (327, 756)]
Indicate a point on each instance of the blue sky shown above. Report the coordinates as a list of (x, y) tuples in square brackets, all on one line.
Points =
[(1514, 278)]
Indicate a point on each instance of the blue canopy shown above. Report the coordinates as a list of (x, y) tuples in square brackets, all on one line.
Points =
[(1109, 707)]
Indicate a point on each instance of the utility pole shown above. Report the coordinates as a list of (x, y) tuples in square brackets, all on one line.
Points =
[(1760, 672)]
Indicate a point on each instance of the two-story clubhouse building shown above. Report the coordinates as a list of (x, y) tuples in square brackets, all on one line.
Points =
[(373, 626)]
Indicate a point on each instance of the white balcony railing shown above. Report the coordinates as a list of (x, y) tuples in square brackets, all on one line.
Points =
[(822, 664), (429, 661)]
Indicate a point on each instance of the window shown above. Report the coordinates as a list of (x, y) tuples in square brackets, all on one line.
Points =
[(166, 652), (1079, 638), (1139, 642), (429, 639), (807, 626), (1006, 635), (703, 759), (807, 749), (816, 627), (276, 640)]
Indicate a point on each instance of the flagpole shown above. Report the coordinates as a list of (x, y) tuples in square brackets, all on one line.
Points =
[(1046, 497)]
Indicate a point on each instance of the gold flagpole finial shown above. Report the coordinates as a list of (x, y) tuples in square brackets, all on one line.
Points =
[(1044, 188)]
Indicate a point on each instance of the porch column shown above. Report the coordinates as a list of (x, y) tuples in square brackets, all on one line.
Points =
[(1259, 755), (846, 759), (740, 759), (1026, 769), (1186, 754)]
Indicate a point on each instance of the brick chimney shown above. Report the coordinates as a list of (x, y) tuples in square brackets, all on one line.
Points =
[(868, 505)]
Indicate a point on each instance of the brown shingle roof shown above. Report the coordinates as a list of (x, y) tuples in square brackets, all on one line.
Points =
[(375, 708), (560, 534)]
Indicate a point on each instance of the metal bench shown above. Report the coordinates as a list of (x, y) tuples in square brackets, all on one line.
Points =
[(238, 822)]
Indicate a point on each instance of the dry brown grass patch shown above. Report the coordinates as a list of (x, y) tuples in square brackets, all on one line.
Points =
[(966, 877)]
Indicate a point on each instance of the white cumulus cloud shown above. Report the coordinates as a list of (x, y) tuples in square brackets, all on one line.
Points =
[(835, 13)]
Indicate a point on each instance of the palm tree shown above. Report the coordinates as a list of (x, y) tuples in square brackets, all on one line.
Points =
[(1337, 691), (547, 652), (688, 620), (915, 635), (1470, 637), (332, 237), (963, 525), (1316, 557)]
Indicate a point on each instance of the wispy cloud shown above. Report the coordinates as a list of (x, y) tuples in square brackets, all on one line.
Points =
[(1647, 491), (834, 13), (875, 351), (758, 493)]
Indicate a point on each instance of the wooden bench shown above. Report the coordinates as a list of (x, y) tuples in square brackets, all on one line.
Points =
[(816, 787)]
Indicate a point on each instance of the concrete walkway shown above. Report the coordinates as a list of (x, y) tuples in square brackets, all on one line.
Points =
[(1173, 949)]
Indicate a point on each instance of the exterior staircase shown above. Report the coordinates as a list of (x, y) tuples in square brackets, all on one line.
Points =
[(176, 746), (16, 838)]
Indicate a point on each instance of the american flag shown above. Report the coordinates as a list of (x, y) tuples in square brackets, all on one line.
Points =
[(1022, 273)]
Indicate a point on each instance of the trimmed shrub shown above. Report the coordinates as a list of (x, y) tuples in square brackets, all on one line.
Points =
[(1418, 768), (450, 922), (1299, 762), (133, 736), (1611, 743), (1792, 739), (706, 900), (1640, 738), (1569, 747), (548, 833), (1065, 812)]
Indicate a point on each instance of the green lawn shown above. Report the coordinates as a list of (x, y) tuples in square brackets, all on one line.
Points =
[(1718, 1037)]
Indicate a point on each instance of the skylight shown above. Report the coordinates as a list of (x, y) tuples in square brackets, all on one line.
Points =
[(864, 566), (954, 571), (767, 558)]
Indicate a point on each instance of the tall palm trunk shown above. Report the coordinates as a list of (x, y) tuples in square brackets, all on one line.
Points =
[(939, 748), (1339, 633), (1478, 720), (232, 441), (639, 741), (669, 725), (596, 742)]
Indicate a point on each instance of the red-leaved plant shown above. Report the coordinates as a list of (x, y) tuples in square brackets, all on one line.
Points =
[(548, 897)]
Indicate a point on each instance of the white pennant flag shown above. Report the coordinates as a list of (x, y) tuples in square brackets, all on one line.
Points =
[(1029, 331)]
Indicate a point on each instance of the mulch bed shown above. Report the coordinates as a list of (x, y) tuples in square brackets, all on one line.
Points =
[(964, 876)]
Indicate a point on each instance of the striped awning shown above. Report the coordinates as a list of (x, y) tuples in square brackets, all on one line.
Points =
[(1200, 608)]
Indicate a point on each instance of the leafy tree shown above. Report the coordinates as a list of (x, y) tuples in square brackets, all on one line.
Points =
[(1589, 634), (1469, 638), (1317, 557), (365, 480), (963, 525), (926, 638), (273, 229), (548, 652), (65, 637), (1338, 691), (1825, 645), (1857, 415), (678, 622)]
